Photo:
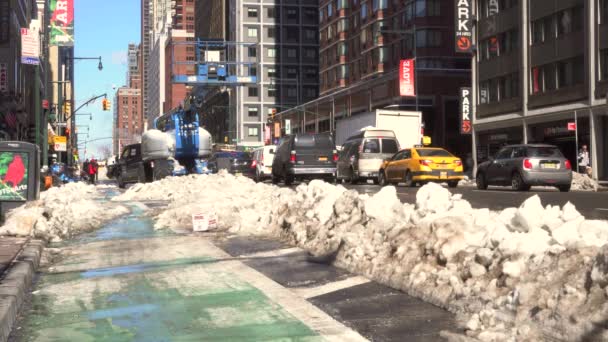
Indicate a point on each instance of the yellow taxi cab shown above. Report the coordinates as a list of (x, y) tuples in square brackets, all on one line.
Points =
[(420, 165)]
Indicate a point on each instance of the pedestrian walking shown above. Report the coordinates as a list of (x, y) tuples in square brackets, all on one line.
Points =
[(92, 170), (584, 161)]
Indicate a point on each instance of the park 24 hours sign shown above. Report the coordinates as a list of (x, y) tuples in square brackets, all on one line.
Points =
[(464, 26)]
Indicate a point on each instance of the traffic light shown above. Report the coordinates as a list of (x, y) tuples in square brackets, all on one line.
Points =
[(67, 107), (105, 104), (273, 112)]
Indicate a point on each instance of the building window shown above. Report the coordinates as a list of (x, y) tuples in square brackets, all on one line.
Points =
[(310, 72), (310, 53), (272, 52), (604, 11), (292, 53), (252, 32), (604, 64), (508, 87), (252, 12), (428, 38), (272, 72), (253, 71), (363, 10), (292, 72), (272, 32), (408, 13), (252, 52), (270, 12), (252, 111), (379, 5), (543, 79), (252, 131), (570, 72), (570, 20), (292, 33), (330, 10), (342, 4), (272, 92), (292, 92), (310, 34), (252, 91), (310, 92), (292, 13), (543, 30)]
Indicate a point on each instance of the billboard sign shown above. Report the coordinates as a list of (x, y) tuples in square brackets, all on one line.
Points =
[(13, 176), (464, 26), (62, 22), (572, 126), (60, 143), (30, 46), (277, 130), (466, 126), (406, 77), (287, 126)]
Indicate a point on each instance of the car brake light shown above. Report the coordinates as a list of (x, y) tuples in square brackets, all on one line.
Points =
[(254, 163), (568, 165), (425, 162), (335, 156), (458, 162), (292, 157), (527, 164)]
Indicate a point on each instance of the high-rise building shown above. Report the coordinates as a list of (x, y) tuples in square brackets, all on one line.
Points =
[(144, 57), (359, 61), (284, 51), (542, 71), (128, 121)]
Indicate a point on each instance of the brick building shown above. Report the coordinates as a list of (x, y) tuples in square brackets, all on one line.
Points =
[(358, 66)]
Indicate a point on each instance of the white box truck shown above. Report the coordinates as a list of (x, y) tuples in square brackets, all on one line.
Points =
[(407, 125)]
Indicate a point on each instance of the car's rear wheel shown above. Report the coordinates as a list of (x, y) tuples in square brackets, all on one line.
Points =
[(517, 183), (409, 180), (482, 183), (382, 178), (563, 188), (453, 184)]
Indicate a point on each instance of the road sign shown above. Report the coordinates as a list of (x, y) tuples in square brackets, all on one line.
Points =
[(464, 27), (465, 111), (60, 143), (287, 126)]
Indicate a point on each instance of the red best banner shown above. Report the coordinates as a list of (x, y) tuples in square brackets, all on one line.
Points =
[(406, 77)]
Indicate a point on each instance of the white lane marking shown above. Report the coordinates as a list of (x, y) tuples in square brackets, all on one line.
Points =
[(603, 209), (273, 253), (330, 287), (501, 191)]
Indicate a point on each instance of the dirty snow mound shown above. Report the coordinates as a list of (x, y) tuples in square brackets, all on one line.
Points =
[(583, 182), (521, 274), (60, 213)]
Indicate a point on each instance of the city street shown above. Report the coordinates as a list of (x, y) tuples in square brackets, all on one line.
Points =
[(128, 282), (593, 205)]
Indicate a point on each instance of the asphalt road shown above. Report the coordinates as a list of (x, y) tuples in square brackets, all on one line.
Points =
[(593, 205)]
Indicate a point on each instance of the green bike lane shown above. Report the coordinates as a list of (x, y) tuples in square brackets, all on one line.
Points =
[(127, 282)]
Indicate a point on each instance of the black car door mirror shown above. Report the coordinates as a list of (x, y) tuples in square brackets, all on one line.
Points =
[(271, 151)]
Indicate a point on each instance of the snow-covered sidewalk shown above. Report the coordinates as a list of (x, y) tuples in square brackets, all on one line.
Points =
[(520, 274), (61, 213)]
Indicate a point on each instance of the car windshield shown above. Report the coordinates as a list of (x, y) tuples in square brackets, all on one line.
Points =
[(314, 141), (544, 152), (433, 153)]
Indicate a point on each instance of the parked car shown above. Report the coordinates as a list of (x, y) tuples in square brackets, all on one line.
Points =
[(305, 156), (235, 162), (522, 166), (363, 153), (130, 167), (414, 166), (262, 162)]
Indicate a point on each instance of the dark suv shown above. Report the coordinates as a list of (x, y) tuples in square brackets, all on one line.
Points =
[(305, 156), (130, 168)]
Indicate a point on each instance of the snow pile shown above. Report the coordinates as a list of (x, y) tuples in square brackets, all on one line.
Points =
[(583, 182), (61, 213), (466, 181), (529, 273)]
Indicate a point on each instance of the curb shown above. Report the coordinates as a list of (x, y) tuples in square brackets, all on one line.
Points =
[(15, 285)]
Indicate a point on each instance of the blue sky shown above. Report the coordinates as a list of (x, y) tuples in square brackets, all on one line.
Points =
[(102, 28)]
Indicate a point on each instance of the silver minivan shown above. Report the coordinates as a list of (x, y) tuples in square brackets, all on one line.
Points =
[(363, 153)]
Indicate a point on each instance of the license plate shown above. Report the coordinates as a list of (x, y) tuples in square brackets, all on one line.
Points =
[(238, 174), (443, 175), (322, 158), (548, 166)]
